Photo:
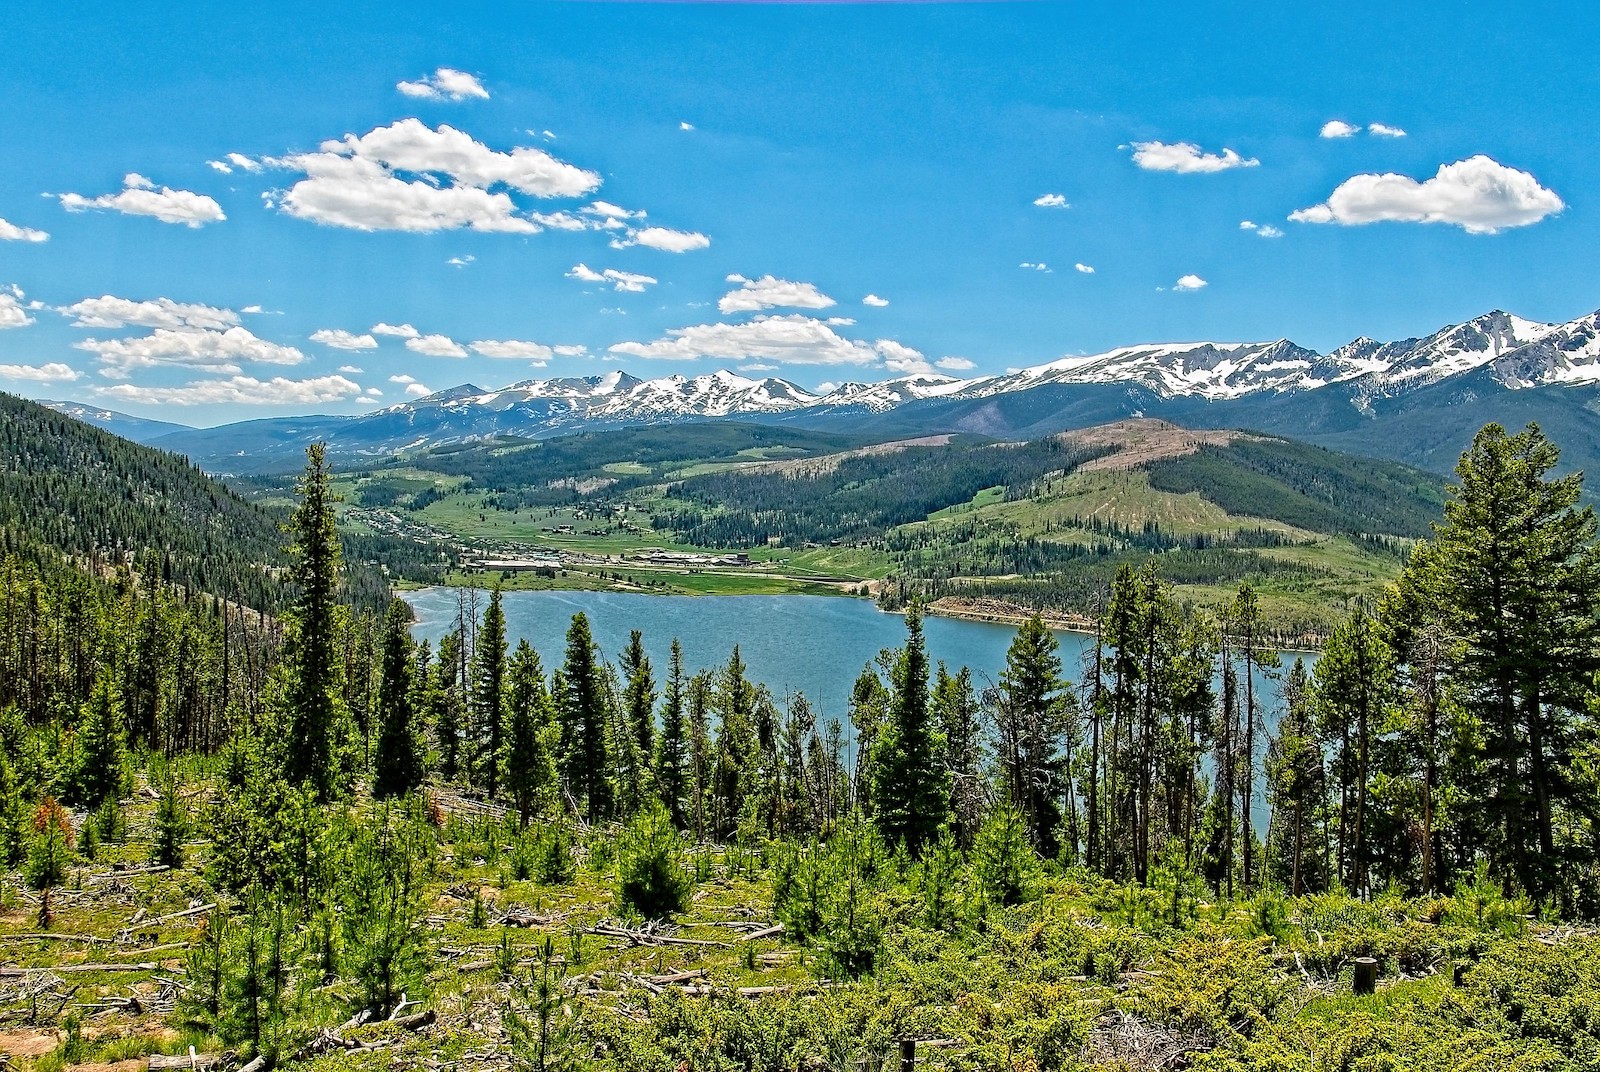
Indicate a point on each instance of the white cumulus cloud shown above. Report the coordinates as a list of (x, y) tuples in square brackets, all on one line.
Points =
[(446, 83), (188, 348), (1265, 230), (874, 301), (791, 339), (1477, 194), (1384, 130), (10, 232), (340, 339), (51, 372), (140, 197), (12, 312), (409, 176), (1051, 201), (1338, 128), (955, 364), (242, 390), (398, 331), (535, 352), (770, 292), (1086, 269), (616, 279), (1186, 158), (435, 346), (110, 311), (1034, 266), (663, 238), (1189, 282)]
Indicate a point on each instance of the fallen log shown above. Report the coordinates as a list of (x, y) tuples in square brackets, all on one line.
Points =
[(39, 936), (416, 1021), (18, 973), (185, 914), (638, 937), (766, 932), (198, 1062)]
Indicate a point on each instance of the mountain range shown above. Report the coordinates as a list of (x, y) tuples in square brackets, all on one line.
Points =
[(1417, 400)]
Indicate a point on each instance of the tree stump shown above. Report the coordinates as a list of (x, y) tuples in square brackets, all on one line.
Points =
[(1366, 978)]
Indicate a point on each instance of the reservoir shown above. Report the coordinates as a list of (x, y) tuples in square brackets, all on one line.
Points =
[(811, 644)]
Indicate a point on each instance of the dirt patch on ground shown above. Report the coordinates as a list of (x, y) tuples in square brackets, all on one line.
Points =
[(26, 1043), (1142, 440), (132, 1064)]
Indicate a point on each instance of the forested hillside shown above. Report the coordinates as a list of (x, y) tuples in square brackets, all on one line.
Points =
[(855, 496), (381, 852), (90, 494), (86, 493)]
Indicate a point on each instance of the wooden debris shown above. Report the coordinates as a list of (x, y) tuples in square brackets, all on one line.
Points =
[(52, 936), (142, 966), (196, 1062)]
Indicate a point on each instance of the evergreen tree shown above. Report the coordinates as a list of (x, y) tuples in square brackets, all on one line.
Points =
[(1295, 788), (586, 761), (639, 719), (397, 762), (736, 746), (1514, 576), (529, 739), (911, 790), (956, 710), (1248, 627), (1354, 695), (310, 651), (672, 759), (1030, 715), (489, 694), (101, 753)]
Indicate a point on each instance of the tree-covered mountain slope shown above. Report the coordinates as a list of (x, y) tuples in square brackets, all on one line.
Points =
[(86, 493)]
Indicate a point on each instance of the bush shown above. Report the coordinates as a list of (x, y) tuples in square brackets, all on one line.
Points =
[(651, 877)]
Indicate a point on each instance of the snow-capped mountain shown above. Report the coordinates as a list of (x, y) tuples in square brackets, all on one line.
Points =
[(1205, 382), (878, 397), (620, 397)]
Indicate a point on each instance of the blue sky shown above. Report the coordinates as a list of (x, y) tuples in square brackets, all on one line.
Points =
[(785, 156)]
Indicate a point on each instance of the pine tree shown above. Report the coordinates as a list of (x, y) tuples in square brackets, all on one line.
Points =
[(1354, 695), (1514, 577), (956, 709), (639, 717), (911, 789), (310, 652), (1030, 716), (1295, 787), (586, 763), (528, 741), (397, 762), (736, 746), (101, 752), (489, 694), (672, 760), (1248, 626)]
